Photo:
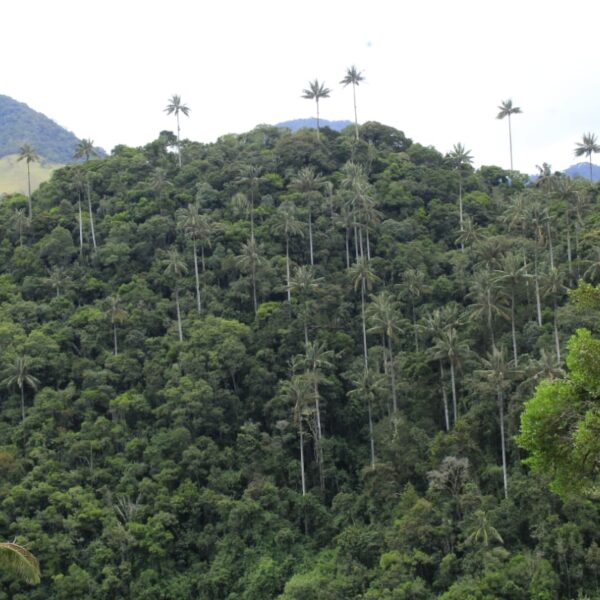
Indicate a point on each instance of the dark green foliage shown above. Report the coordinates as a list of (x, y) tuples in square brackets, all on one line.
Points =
[(179, 422)]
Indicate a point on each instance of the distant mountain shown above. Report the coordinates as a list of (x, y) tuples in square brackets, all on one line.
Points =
[(20, 125), (311, 123), (582, 169)]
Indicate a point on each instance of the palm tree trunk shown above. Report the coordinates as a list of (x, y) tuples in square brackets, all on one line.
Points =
[(371, 436), (591, 177), (556, 338), (29, 191), (116, 345), (178, 140), (318, 121), (347, 248), (319, 436), (80, 226), (414, 320), (538, 302), (203, 261), (179, 327), (502, 442), (392, 376), (460, 209), (355, 113), (444, 397), (550, 247), (510, 142), (22, 402), (287, 267), (454, 399), (89, 197), (368, 243), (310, 235), (302, 475), (513, 327), (197, 275), (364, 323), (254, 288)]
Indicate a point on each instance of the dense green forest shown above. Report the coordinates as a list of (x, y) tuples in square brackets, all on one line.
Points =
[(294, 367)]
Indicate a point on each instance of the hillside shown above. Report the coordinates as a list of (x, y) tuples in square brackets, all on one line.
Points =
[(20, 124), (311, 123), (294, 369), (13, 174)]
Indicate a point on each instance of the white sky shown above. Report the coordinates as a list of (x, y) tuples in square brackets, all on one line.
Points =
[(436, 69)]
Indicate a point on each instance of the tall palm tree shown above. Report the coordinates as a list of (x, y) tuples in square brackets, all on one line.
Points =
[(17, 375), (79, 181), (85, 149), (175, 268), (309, 184), (57, 278), (353, 76), (588, 146), (117, 315), (459, 158), (512, 275), (305, 284), (487, 300), (414, 286), (297, 391), (175, 107), (285, 223), (29, 155), (21, 222), (250, 177), (383, 318), (189, 219), (450, 347), (506, 110), (483, 532), (496, 373), (20, 562), (554, 287), (249, 260), (316, 91)]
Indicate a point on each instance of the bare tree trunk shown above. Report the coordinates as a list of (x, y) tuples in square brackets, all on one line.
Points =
[(502, 442), (89, 197), (310, 235), (454, 398), (179, 327), (22, 402), (392, 376), (287, 267), (303, 477), (556, 338), (444, 397), (29, 192), (513, 327), (197, 275)]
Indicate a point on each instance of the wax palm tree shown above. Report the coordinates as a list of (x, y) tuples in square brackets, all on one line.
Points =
[(487, 300), (588, 146), (297, 391), (286, 224), (363, 276), (316, 91), (353, 76), (175, 107), (175, 268), (470, 233), (117, 315), (196, 227), (160, 184), (506, 110), (85, 149), (29, 155), (496, 372), (250, 177), (511, 275), (366, 386), (554, 287), (383, 318), (309, 184), (79, 182), (414, 286), (315, 359), (448, 346), (482, 531), (460, 158), (565, 191), (304, 283), (21, 222), (57, 278), (19, 562), (347, 220), (18, 375), (249, 260)]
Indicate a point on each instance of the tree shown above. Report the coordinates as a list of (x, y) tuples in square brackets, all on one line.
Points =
[(17, 375), (175, 268), (496, 373), (353, 76), (117, 315), (588, 146), (316, 91), (248, 260), (21, 221), (459, 158), (559, 425), (175, 107), (20, 562), (285, 223), (414, 286), (308, 183), (85, 149), (29, 155), (506, 110), (305, 284)]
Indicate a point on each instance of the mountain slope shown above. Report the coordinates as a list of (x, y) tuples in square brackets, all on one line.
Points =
[(20, 124), (296, 124)]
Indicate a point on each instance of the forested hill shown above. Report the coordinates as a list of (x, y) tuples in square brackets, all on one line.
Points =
[(21, 125), (290, 368)]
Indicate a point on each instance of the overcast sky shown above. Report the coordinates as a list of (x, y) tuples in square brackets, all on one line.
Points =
[(436, 69)]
